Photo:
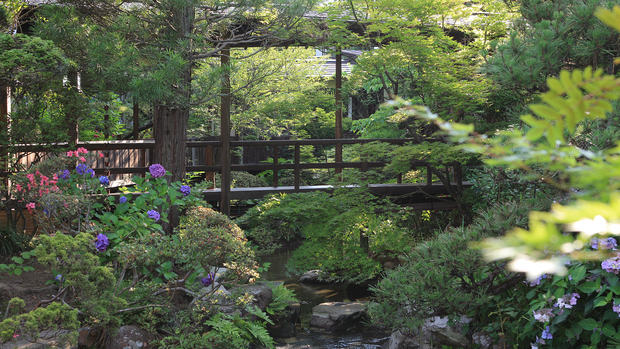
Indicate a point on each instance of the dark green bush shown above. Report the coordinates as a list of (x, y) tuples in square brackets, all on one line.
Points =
[(443, 276)]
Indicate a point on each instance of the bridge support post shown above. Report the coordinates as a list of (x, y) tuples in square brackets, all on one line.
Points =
[(225, 137), (338, 98)]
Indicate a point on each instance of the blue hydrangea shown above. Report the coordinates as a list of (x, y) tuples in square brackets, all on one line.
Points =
[(64, 174), (208, 280), (102, 242), (91, 172), (81, 169), (122, 200), (546, 334), (154, 215), (104, 180), (157, 170), (185, 190)]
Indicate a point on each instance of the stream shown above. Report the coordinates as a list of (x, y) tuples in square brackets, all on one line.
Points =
[(312, 295)]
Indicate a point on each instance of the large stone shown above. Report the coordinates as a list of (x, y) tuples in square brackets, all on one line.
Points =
[(130, 337), (338, 316), (284, 326), (399, 341), (446, 332), (262, 295), (311, 277)]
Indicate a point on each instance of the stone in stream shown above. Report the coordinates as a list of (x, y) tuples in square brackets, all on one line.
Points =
[(338, 316)]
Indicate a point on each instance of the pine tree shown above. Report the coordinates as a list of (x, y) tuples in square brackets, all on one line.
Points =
[(552, 35)]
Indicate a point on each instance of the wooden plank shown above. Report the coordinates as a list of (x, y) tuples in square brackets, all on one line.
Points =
[(378, 189)]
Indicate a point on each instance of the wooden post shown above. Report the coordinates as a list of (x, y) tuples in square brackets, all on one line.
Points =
[(297, 167), (338, 98), (225, 137), (136, 120), (429, 175), (209, 175), (275, 169)]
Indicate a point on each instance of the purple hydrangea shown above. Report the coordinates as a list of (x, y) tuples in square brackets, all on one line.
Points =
[(58, 277), (64, 174), (537, 281), (102, 242), (567, 301), (616, 308), (604, 244), (104, 180), (208, 280), (91, 172), (612, 265), (543, 315), (546, 334), (157, 170), (122, 200), (185, 190), (81, 169), (154, 215)]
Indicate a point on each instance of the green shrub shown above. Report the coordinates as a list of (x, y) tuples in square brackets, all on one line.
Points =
[(445, 277)]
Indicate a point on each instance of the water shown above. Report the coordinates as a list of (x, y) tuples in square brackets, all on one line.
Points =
[(312, 295)]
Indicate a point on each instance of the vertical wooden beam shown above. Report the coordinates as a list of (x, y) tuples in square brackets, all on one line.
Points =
[(338, 98), (225, 127), (275, 169), (209, 175), (297, 167)]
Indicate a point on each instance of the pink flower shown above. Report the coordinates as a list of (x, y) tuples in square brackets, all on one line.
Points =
[(101, 155), (70, 153), (81, 151), (18, 187), (82, 159), (30, 206), (30, 177), (55, 177)]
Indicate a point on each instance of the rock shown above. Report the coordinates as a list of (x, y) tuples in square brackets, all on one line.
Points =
[(399, 341), (282, 330), (285, 327), (311, 277), (447, 334), (337, 316), (262, 295), (483, 340), (88, 337), (130, 337)]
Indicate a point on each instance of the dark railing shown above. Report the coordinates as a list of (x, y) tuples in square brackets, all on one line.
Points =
[(141, 165)]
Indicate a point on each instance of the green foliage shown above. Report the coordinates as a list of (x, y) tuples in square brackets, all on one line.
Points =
[(378, 125), (225, 331), (550, 36), (280, 299), (17, 267), (12, 242), (330, 231), (59, 319), (444, 277), (85, 279)]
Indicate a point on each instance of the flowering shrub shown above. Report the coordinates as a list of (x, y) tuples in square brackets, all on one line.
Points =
[(59, 199), (575, 311)]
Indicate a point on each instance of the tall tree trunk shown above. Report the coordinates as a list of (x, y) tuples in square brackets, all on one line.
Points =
[(170, 133), (170, 122)]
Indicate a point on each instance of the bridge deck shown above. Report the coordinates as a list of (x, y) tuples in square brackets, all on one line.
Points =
[(395, 189)]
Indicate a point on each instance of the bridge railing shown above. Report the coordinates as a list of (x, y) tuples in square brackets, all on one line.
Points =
[(138, 155)]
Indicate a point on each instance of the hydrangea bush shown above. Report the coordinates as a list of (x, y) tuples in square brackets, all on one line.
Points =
[(578, 309)]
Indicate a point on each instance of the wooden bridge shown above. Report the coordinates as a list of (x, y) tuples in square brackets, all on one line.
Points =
[(132, 157)]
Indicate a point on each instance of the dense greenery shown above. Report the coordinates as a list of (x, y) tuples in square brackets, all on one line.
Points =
[(116, 263)]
